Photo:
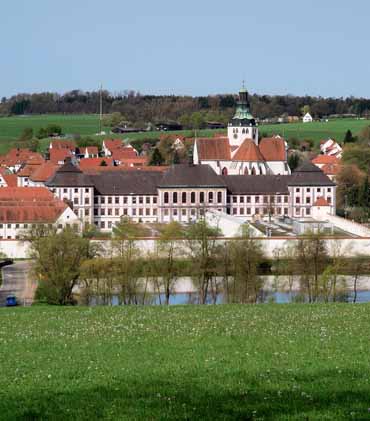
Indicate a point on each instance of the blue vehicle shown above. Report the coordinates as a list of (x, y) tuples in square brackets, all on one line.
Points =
[(11, 301)]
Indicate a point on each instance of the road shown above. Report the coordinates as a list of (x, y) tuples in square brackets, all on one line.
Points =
[(17, 281)]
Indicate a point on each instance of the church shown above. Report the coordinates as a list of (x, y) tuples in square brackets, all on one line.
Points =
[(242, 152)]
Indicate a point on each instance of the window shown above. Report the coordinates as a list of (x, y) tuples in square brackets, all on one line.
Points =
[(265, 211), (257, 211), (174, 197), (265, 199), (75, 190), (318, 190), (147, 200), (308, 190), (154, 211), (183, 197), (183, 212), (257, 199), (133, 200), (96, 200), (95, 211), (328, 199), (241, 211), (154, 200), (1, 225), (17, 225), (134, 212), (201, 197), (102, 200), (248, 211), (87, 212), (165, 197), (329, 189), (297, 199), (116, 200), (175, 212), (297, 211), (109, 224), (279, 211), (219, 197), (235, 211), (109, 211), (125, 212), (87, 201), (297, 190), (75, 201), (141, 200), (116, 212), (241, 199), (86, 190), (109, 200), (102, 211), (102, 224), (65, 190), (141, 212), (147, 211), (278, 199), (166, 212), (125, 200), (285, 199), (192, 197), (308, 211), (308, 200), (285, 211), (210, 197), (235, 199)]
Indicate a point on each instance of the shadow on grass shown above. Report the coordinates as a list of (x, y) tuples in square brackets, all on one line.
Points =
[(186, 399)]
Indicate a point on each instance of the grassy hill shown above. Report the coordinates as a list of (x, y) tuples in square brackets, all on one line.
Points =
[(275, 362)]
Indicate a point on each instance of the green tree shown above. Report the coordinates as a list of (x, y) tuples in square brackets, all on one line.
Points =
[(246, 256), (42, 133), (156, 158), (57, 257), (176, 158), (168, 247), (54, 129), (348, 137), (26, 135), (203, 253), (293, 161)]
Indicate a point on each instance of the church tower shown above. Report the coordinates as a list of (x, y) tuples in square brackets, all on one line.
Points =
[(243, 125)]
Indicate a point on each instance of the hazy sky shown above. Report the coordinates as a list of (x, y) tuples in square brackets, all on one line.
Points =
[(195, 47)]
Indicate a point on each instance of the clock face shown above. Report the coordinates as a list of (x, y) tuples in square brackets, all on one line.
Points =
[(235, 136)]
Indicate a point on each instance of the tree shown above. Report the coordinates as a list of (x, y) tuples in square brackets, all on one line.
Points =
[(26, 135), (201, 242), (364, 194), (305, 109), (156, 158), (54, 129), (293, 161), (42, 133), (125, 235), (246, 256), (169, 247), (58, 257), (349, 180), (358, 155), (348, 137), (103, 164)]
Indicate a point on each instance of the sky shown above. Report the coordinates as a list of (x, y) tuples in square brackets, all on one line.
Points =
[(189, 47)]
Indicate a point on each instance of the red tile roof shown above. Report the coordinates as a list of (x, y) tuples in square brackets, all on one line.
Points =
[(213, 148), (97, 170), (43, 172), (91, 150), (112, 144), (95, 162), (138, 161), (325, 159), (248, 151), (27, 170), (126, 152), (10, 179), (29, 204), (63, 144), (58, 155), (320, 201), (330, 169), (18, 156), (273, 148)]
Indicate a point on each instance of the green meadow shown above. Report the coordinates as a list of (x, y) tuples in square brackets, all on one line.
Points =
[(88, 125), (247, 362)]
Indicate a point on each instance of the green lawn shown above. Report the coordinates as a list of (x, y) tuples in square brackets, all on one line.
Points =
[(273, 362)]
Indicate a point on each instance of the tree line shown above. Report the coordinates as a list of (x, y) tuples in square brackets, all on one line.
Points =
[(190, 111), (65, 260)]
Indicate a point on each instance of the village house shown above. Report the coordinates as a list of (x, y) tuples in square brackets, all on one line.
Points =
[(22, 207), (307, 118), (331, 147)]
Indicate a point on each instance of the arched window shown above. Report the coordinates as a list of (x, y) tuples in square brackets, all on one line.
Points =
[(210, 197), (224, 171), (219, 197), (183, 198), (243, 131), (192, 197), (165, 197), (174, 197), (246, 172), (201, 197), (253, 171)]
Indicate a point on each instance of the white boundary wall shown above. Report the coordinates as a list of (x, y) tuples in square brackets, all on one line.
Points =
[(349, 247)]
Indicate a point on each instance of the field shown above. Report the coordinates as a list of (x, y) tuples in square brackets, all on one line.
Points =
[(11, 128), (264, 362)]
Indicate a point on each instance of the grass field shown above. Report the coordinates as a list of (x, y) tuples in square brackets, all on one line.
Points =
[(11, 128), (264, 362)]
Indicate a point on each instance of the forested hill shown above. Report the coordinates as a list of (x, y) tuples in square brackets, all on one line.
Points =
[(143, 108)]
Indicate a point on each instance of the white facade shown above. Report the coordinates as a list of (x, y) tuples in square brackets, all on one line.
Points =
[(307, 118)]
